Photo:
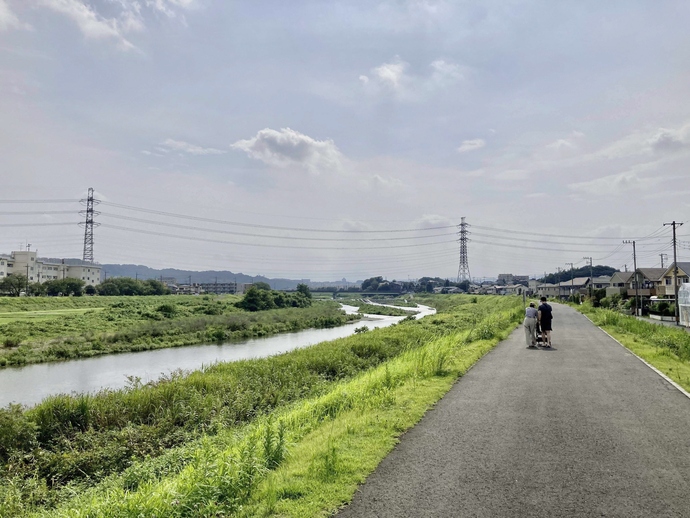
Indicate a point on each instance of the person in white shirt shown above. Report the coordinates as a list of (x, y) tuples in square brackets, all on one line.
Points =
[(530, 324)]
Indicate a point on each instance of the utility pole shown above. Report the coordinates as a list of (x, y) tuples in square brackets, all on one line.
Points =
[(591, 277), (662, 256), (572, 278), (627, 242), (675, 270)]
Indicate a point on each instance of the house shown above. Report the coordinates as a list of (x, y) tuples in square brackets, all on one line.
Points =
[(576, 285), (619, 283), (548, 290), (600, 283), (513, 289), (645, 282), (665, 288)]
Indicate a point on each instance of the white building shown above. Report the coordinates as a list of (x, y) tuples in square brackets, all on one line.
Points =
[(26, 263)]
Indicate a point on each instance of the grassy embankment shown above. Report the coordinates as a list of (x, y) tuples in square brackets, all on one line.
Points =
[(35, 330), (291, 435), (372, 309), (665, 348)]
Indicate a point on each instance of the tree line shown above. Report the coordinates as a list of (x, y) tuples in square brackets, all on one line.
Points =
[(17, 285)]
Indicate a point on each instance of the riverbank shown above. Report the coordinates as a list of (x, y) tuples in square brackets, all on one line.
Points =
[(227, 408), (47, 330)]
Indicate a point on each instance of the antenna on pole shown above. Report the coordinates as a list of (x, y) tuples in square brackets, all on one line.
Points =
[(89, 224), (464, 266)]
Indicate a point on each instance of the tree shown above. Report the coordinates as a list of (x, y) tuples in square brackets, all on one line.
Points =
[(154, 287), (36, 289), (13, 285), (372, 283), (304, 290), (256, 300), (64, 287), (262, 286)]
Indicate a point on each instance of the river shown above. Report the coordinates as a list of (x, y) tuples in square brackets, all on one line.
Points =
[(31, 384)]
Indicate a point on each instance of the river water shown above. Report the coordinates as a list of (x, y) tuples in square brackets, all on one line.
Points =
[(31, 384)]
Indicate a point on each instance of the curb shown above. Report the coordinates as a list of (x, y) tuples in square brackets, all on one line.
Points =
[(669, 380)]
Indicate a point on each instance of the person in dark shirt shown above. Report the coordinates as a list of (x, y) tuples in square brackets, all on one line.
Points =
[(545, 316)]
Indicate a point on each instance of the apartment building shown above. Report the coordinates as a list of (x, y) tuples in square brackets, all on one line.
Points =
[(26, 263)]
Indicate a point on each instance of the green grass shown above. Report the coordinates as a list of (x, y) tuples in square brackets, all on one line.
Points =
[(666, 348), (295, 457), (14, 316), (372, 309)]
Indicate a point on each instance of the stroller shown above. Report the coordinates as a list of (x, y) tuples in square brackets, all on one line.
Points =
[(540, 336)]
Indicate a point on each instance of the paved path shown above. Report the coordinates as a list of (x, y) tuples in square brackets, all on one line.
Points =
[(584, 430)]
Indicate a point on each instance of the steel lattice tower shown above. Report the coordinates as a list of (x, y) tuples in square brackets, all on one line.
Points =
[(88, 225), (464, 267)]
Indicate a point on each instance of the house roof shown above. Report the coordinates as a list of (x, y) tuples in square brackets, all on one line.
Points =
[(652, 274), (577, 281), (602, 279), (683, 267), (547, 285), (621, 276)]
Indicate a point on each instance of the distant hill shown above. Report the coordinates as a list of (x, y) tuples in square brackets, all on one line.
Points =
[(182, 276)]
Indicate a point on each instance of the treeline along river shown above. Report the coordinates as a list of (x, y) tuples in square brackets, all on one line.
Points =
[(31, 384)]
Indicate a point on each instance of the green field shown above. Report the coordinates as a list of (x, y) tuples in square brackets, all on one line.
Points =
[(14, 316), (290, 435)]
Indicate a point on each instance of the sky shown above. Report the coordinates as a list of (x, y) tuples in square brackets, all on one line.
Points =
[(328, 140)]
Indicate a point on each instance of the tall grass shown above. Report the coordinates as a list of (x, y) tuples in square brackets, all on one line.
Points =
[(68, 444), (672, 340), (219, 476)]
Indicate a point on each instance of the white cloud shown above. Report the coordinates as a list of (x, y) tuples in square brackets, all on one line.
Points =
[(393, 79), (167, 7), (8, 20), (471, 145), (288, 147), (616, 184), (192, 149), (91, 24), (444, 73), (392, 74), (666, 140)]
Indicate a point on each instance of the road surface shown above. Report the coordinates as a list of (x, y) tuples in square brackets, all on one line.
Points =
[(585, 429)]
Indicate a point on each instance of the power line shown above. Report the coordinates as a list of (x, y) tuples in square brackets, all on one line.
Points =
[(40, 201), (162, 234), (264, 236), (40, 224), (271, 227), (653, 234)]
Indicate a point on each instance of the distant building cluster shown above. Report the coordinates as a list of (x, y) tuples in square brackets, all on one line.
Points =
[(644, 282), (200, 288), (26, 263)]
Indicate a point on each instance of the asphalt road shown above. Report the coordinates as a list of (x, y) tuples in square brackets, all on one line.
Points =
[(585, 429)]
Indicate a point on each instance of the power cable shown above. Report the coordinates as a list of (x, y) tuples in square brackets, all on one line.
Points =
[(162, 234), (264, 236), (271, 227)]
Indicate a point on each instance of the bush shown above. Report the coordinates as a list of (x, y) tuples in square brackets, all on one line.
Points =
[(17, 432)]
